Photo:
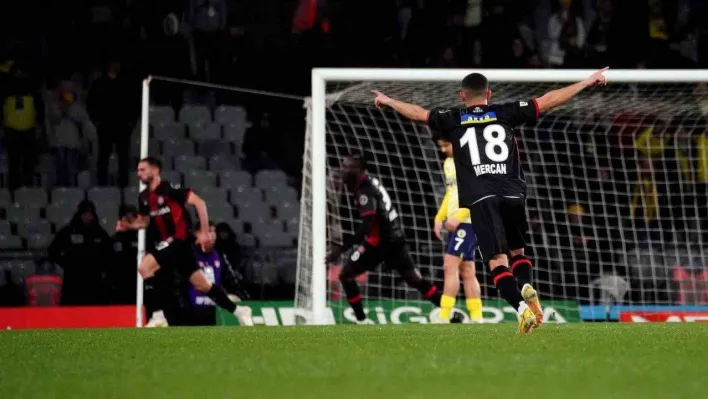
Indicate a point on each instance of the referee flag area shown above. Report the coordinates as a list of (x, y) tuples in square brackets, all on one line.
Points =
[(588, 360)]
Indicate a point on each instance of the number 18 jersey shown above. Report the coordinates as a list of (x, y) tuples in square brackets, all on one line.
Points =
[(485, 150)]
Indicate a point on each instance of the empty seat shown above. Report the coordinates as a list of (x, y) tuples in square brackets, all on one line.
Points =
[(271, 178), (288, 211), (292, 227), (192, 114), (279, 194), (21, 269), (18, 213), (246, 194), (234, 132), (104, 194), (60, 214), (160, 114), (10, 243), (172, 176), (5, 228), (201, 132), (109, 223), (38, 241), (71, 196), (235, 180), (189, 162), (175, 147), (219, 212), (108, 209), (225, 114), (213, 195), (246, 240), (275, 239), (29, 227), (221, 163), (130, 196), (31, 197), (168, 131), (5, 198), (270, 226), (197, 179), (84, 180), (257, 212)]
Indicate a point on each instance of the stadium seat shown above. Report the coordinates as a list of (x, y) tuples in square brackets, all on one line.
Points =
[(60, 214), (3, 280), (213, 195), (20, 270), (236, 225), (168, 131), (5, 198), (109, 209), (254, 212), (71, 196), (84, 180), (246, 240), (198, 179), (10, 243), (5, 228), (221, 163), (160, 114), (275, 239), (130, 196), (233, 180), (270, 226), (278, 194), (269, 178), (219, 212), (31, 197), (39, 241), (174, 147), (201, 132), (172, 176), (225, 114), (246, 194), (288, 211), (192, 114), (18, 213), (234, 132), (185, 163), (28, 227), (109, 224), (99, 195)]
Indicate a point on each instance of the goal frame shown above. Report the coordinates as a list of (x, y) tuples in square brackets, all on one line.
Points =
[(322, 76)]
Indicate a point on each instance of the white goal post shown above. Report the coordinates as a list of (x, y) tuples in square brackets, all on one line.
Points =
[(316, 162)]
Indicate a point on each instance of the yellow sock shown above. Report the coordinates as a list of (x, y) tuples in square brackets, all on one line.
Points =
[(446, 304), (474, 305)]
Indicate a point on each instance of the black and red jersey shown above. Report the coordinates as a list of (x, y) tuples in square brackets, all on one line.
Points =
[(372, 199), (166, 207), (484, 147)]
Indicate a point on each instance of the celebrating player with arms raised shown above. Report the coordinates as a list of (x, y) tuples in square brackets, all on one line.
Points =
[(490, 179), (461, 245)]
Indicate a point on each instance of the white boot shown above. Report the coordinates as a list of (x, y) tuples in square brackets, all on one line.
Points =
[(243, 314), (157, 320)]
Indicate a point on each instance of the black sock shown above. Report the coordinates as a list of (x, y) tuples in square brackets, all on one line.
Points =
[(151, 296), (429, 291), (507, 286), (521, 268), (351, 289), (221, 298)]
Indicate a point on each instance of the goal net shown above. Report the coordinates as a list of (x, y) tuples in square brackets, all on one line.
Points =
[(616, 188)]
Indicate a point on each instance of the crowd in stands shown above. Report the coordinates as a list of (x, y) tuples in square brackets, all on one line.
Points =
[(70, 94)]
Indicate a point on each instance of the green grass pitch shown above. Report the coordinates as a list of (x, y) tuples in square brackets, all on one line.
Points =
[(394, 361)]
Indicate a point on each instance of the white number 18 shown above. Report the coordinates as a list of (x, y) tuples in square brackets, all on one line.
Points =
[(495, 136)]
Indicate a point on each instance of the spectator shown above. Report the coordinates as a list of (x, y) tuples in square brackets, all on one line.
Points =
[(566, 34), (22, 118), (81, 249), (645, 207), (207, 18), (44, 286), (601, 31), (68, 123), (122, 273), (112, 108)]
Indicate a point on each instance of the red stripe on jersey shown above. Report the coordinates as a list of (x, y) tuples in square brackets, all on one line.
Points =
[(535, 104), (153, 205), (178, 221), (501, 276), (374, 235)]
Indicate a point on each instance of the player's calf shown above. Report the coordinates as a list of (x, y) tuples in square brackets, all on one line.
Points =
[(521, 267), (472, 291), (351, 290), (148, 267), (506, 283), (451, 270), (220, 297)]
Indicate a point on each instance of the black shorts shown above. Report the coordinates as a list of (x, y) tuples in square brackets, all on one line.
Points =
[(500, 225), (178, 255), (366, 258)]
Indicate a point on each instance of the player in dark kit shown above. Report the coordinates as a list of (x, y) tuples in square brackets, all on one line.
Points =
[(162, 209), (490, 179), (380, 238)]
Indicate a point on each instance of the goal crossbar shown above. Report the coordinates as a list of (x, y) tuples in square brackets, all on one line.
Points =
[(318, 164)]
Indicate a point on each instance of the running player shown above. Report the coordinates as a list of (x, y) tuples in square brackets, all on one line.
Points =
[(162, 209), (490, 179), (461, 246), (380, 238)]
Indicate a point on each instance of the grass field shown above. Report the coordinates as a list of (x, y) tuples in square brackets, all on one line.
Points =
[(402, 361)]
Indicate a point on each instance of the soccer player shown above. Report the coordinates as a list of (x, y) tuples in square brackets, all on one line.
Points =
[(162, 209), (490, 179), (461, 245), (379, 238)]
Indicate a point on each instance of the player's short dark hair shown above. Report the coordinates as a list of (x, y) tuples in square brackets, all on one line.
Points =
[(475, 83), (152, 161), (441, 136), (359, 159)]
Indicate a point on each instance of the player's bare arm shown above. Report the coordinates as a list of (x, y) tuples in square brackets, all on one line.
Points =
[(411, 111), (555, 98), (140, 222), (204, 235)]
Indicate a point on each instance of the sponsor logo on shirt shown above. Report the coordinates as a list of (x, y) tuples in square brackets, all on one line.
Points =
[(162, 211), (523, 104), (487, 117)]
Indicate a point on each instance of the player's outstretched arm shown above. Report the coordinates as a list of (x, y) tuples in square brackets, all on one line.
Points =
[(203, 236), (410, 111), (140, 222), (555, 98)]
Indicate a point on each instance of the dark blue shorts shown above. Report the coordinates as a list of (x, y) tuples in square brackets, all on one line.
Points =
[(462, 243)]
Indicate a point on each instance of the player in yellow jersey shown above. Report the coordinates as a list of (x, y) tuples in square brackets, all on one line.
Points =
[(460, 249)]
